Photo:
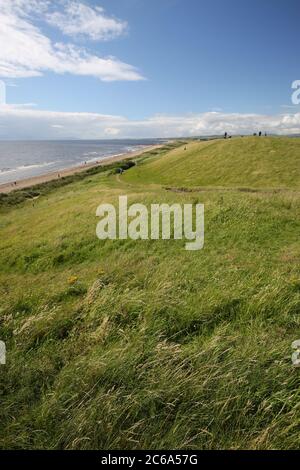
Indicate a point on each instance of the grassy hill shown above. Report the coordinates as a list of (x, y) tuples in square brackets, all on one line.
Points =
[(140, 344), (250, 161)]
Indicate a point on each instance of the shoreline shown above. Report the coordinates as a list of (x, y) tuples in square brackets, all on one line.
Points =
[(53, 175)]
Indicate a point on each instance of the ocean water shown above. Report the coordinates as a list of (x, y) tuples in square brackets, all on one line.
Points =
[(24, 159)]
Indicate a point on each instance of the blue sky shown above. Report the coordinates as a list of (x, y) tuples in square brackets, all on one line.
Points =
[(176, 66)]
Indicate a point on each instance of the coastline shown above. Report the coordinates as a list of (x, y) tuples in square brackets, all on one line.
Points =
[(32, 181)]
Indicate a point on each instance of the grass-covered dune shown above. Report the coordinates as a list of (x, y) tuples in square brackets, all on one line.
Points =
[(244, 162), (141, 344)]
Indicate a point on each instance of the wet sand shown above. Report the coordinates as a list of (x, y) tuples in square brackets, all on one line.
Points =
[(28, 182)]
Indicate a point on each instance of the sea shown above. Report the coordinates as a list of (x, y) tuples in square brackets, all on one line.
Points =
[(25, 159)]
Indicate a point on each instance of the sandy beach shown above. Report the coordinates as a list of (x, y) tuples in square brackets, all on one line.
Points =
[(29, 182)]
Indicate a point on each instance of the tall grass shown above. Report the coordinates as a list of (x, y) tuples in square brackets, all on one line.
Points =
[(141, 344)]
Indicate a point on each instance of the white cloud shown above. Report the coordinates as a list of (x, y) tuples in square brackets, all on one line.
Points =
[(111, 131), (17, 122), (79, 19), (25, 51)]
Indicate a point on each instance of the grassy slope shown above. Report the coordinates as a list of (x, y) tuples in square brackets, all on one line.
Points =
[(141, 344), (251, 162)]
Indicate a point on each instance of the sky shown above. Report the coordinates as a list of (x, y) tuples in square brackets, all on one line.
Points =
[(88, 69)]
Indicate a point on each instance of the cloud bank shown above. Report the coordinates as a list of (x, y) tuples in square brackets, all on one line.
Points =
[(26, 51), (19, 122)]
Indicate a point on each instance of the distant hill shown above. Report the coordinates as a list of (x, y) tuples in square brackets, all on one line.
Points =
[(256, 162)]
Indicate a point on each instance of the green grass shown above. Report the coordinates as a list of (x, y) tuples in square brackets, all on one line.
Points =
[(141, 344), (244, 162)]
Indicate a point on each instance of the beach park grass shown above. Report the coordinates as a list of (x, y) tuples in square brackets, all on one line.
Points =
[(141, 344)]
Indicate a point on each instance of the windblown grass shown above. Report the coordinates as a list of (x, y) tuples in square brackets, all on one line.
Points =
[(143, 345)]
